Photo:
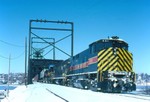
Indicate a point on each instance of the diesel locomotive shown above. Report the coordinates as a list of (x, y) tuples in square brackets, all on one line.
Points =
[(107, 66)]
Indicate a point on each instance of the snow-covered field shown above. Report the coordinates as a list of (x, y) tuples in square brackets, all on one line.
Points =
[(39, 92)]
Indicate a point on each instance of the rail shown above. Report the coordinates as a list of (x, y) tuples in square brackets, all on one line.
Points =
[(57, 95)]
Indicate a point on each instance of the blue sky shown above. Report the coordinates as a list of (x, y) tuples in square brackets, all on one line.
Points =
[(93, 20)]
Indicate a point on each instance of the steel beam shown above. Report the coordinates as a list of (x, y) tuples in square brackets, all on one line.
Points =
[(32, 36)]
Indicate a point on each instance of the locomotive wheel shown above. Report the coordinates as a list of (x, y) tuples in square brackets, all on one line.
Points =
[(109, 86)]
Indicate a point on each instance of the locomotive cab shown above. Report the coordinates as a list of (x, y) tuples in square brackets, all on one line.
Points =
[(114, 65), (113, 42)]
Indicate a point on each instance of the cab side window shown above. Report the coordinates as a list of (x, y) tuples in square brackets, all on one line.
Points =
[(92, 49)]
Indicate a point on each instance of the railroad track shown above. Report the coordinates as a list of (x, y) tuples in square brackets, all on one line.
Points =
[(57, 95)]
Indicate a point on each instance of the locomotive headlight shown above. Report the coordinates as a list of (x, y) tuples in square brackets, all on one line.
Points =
[(85, 87), (115, 79), (98, 89), (115, 50), (115, 85), (129, 73)]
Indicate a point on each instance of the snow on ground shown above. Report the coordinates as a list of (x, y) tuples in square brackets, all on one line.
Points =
[(143, 84), (31, 93), (50, 93)]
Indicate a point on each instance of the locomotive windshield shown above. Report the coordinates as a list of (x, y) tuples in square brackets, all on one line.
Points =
[(107, 43)]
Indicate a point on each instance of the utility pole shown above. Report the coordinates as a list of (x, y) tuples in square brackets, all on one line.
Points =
[(25, 78), (8, 76)]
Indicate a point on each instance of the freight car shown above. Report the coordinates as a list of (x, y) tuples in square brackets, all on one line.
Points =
[(107, 66)]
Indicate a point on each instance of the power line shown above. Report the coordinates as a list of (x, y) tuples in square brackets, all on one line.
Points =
[(10, 44), (18, 56), (14, 58), (4, 57)]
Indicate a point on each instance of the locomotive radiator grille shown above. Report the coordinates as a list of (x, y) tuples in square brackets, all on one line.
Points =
[(115, 59)]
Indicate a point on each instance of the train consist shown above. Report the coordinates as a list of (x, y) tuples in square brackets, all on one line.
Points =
[(105, 66)]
